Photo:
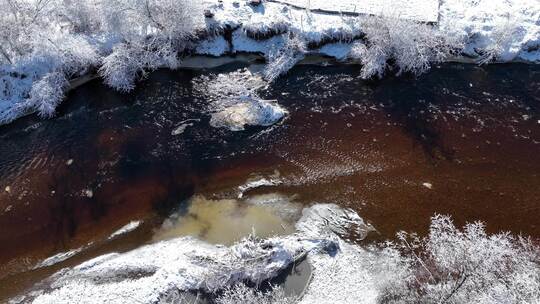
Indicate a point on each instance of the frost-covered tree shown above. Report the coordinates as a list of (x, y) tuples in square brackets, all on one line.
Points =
[(501, 39), (121, 68), (152, 34), (410, 45), (46, 43), (466, 266), (284, 57)]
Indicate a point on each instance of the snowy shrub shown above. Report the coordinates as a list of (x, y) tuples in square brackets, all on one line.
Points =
[(154, 31), (70, 54), (282, 59), (240, 293), (49, 42), (175, 20), (121, 68), (501, 38), (410, 45), (81, 16), (467, 266), (47, 93), (18, 20)]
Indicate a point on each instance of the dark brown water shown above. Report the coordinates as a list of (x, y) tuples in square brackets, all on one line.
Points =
[(460, 140)]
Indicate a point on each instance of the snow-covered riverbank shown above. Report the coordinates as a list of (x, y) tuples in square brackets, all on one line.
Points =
[(48, 44), (485, 268)]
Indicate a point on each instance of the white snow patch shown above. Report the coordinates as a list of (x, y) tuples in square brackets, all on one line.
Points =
[(215, 46), (428, 185), (148, 273), (256, 183), (59, 257), (418, 10), (180, 129), (506, 29), (242, 43), (125, 229), (338, 271), (183, 125), (339, 51)]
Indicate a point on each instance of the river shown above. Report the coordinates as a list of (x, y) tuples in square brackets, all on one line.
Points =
[(462, 140)]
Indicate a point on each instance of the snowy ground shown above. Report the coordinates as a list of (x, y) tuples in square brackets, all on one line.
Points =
[(418, 10), (189, 264), (487, 268), (513, 24)]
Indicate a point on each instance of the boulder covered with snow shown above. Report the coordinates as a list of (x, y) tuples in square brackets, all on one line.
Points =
[(248, 113)]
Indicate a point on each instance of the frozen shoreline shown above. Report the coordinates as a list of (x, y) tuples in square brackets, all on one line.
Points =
[(500, 31), (343, 272)]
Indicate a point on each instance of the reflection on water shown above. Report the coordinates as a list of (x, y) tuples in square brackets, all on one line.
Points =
[(228, 220)]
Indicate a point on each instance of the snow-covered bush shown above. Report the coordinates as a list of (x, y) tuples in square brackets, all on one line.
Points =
[(121, 68), (153, 31), (409, 45), (81, 16), (283, 58), (502, 38), (44, 43), (138, 19), (50, 57), (47, 93), (40, 54), (466, 266)]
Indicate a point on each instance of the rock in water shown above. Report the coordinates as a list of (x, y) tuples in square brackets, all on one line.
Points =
[(252, 112)]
